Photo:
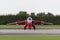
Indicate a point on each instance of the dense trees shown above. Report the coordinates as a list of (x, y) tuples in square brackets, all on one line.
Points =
[(22, 15)]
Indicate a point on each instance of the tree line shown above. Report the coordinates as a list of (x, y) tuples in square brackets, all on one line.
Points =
[(22, 15)]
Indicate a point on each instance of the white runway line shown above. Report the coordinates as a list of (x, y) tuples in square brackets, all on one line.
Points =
[(28, 32)]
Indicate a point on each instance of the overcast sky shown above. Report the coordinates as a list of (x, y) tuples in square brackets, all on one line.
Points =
[(14, 6)]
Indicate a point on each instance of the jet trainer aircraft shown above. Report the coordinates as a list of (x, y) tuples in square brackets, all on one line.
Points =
[(30, 23)]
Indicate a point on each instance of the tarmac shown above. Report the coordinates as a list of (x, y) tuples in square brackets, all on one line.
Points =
[(30, 32)]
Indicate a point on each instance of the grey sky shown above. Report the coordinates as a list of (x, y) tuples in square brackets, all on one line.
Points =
[(14, 6)]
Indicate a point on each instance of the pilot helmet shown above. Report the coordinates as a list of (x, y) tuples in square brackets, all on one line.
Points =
[(29, 18)]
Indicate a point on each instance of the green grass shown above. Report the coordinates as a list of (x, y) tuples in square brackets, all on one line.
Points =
[(37, 26), (48, 26), (30, 37), (11, 26)]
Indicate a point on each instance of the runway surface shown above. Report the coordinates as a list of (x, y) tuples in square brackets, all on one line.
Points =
[(29, 32)]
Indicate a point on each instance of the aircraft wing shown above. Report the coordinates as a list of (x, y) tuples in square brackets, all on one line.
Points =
[(42, 22), (46, 23), (20, 22), (34, 21)]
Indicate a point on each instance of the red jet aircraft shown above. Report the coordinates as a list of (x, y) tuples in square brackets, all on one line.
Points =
[(30, 23)]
